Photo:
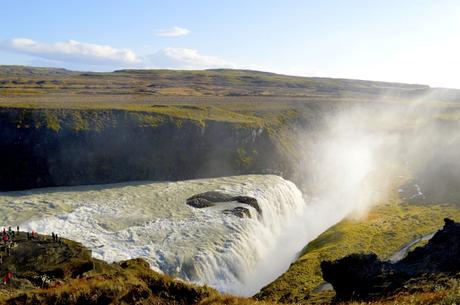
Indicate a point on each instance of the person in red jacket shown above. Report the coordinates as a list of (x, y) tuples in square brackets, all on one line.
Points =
[(7, 278)]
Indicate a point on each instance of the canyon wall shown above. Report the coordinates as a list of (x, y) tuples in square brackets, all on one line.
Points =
[(54, 147)]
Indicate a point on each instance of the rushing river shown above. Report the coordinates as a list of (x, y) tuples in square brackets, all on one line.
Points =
[(152, 221)]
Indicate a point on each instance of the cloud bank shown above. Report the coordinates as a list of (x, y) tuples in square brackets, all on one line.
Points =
[(175, 31), (71, 51), (73, 54), (183, 58)]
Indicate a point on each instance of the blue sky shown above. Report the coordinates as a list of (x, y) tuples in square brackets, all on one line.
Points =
[(404, 41)]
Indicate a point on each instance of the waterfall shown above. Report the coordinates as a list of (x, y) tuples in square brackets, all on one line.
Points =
[(205, 246), (237, 268)]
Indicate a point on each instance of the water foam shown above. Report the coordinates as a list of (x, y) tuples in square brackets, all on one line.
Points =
[(152, 221)]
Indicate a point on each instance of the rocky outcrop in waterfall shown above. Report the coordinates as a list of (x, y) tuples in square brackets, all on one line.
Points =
[(212, 198)]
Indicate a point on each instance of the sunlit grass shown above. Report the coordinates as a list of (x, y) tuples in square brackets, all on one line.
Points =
[(384, 231)]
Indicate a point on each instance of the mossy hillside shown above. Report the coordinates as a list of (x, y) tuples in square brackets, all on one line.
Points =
[(20, 81), (81, 118), (385, 230)]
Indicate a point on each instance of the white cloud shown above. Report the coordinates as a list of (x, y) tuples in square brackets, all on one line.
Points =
[(71, 51), (182, 58), (175, 31), (79, 55)]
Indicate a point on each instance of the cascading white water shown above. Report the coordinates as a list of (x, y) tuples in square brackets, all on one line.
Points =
[(205, 246), (151, 220)]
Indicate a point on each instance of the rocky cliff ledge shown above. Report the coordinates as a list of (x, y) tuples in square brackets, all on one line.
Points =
[(43, 270), (364, 276)]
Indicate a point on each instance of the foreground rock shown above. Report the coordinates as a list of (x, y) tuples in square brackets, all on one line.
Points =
[(209, 199), (364, 276), (41, 257), (43, 271)]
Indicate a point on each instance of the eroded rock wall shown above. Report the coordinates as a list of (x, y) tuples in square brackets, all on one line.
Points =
[(40, 148)]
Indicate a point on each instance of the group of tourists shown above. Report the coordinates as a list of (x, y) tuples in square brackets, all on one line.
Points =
[(9, 239), (33, 235), (56, 238)]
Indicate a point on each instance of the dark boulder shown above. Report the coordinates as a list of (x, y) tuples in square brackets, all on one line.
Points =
[(209, 199), (199, 203), (213, 197), (354, 276), (249, 201), (364, 276), (240, 212), (441, 254)]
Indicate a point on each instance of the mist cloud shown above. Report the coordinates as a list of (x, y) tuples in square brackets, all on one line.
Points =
[(371, 153)]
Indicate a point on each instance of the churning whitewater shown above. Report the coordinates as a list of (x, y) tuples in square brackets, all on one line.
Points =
[(152, 221)]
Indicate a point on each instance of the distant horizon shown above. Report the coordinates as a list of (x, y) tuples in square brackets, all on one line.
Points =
[(232, 69), (392, 41)]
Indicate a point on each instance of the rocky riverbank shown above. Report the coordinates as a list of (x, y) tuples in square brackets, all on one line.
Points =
[(43, 270)]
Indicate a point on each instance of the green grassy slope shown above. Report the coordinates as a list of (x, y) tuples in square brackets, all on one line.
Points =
[(384, 231), (221, 82)]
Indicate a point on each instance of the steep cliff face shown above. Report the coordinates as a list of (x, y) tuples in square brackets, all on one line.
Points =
[(50, 147)]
